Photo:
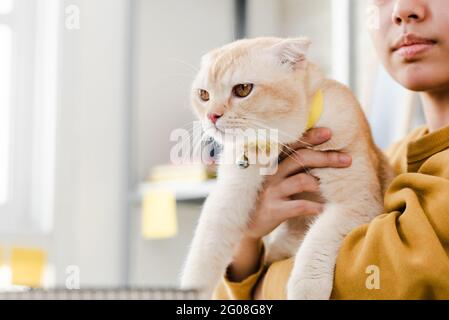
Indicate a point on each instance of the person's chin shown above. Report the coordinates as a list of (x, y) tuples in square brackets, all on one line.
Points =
[(414, 78), (416, 85)]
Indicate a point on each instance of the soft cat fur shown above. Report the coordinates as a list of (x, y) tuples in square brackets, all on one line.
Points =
[(284, 84)]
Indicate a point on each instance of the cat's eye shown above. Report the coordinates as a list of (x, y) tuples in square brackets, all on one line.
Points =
[(242, 90), (204, 95)]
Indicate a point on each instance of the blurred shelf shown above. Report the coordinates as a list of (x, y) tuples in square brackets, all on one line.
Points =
[(183, 191)]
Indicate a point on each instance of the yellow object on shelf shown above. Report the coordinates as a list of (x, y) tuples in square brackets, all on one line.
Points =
[(187, 172), (27, 266), (159, 219)]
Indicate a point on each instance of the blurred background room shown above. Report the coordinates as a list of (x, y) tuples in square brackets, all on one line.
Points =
[(90, 92)]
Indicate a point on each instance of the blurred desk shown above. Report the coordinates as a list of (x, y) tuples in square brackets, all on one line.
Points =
[(102, 294)]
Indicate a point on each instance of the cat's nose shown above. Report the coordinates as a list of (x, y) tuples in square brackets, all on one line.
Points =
[(214, 117)]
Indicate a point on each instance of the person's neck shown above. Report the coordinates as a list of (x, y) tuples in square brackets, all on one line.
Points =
[(436, 109)]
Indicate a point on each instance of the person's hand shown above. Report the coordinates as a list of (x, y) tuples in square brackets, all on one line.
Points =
[(275, 204)]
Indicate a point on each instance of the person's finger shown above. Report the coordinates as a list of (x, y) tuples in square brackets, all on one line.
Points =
[(305, 158), (299, 208), (298, 183), (314, 137)]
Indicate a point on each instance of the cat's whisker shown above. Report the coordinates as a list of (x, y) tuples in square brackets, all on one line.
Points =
[(289, 155), (176, 75), (193, 140), (307, 145), (197, 149), (197, 144), (191, 66), (287, 118), (286, 146), (190, 123), (285, 134), (191, 128), (299, 162)]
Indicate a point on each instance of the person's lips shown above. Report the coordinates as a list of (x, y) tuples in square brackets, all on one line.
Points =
[(410, 46)]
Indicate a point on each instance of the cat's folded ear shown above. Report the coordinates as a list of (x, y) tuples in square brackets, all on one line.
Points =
[(292, 51)]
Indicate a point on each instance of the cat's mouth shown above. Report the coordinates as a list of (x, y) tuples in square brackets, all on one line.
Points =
[(223, 133), (212, 131)]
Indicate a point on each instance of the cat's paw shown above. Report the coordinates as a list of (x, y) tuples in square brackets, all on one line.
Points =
[(309, 288)]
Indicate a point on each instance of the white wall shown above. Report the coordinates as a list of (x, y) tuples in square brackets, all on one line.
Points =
[(264, 18), (91, 144), (295, 18)]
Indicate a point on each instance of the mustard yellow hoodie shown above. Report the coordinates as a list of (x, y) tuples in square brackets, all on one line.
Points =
[(404, 252)]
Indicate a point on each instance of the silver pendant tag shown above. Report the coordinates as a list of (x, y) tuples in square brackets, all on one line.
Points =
[(243, 162)]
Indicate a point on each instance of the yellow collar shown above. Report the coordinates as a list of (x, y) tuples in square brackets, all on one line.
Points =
[(316, 109)]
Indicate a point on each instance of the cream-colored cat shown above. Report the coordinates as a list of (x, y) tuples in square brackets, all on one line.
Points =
[(269, 83)]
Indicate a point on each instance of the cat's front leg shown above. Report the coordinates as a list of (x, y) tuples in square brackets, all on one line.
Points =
[(221, 227), (211, 246), (284, 241), (313, 271)]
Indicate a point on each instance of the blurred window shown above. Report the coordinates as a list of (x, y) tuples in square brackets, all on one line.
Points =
[(28, 60), (5, 106), (5, 96), (6, 6)]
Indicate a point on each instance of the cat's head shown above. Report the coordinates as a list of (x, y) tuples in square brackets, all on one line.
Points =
[(253, 84)]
